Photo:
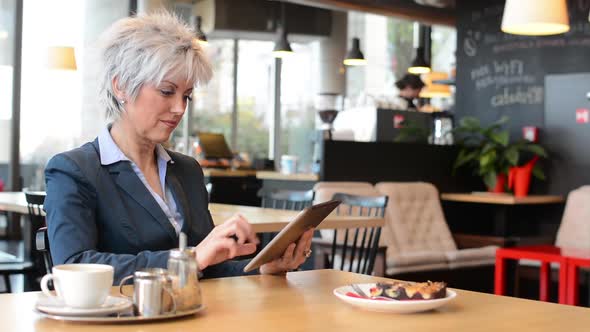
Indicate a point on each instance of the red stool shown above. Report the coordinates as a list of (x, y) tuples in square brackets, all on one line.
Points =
[(546, 254), (576, 258)]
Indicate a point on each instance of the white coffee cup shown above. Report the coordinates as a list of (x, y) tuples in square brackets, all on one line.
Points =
[(80, 285)]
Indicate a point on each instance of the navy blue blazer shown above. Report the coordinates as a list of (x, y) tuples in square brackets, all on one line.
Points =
[(105, 214)]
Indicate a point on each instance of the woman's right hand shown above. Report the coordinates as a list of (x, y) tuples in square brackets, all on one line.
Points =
[(233, 238)]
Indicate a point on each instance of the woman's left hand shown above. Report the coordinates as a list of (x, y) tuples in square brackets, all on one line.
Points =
[(294, 255)]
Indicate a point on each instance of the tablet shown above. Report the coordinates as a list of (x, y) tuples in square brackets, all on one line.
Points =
[(308, 218)]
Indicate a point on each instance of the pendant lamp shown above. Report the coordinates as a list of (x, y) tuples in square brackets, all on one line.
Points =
[(201, 37), (282, 46), (421, 62), (535, 17), (355, 57), (61, 57), (432, 89)]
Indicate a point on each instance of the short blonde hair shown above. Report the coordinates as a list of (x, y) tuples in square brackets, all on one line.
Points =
[(145, 49)]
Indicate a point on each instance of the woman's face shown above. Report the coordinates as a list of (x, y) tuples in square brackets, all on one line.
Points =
[(158, 109)]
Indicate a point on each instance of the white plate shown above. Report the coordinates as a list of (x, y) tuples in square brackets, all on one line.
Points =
[(393, 306), (126, 317), (112, 305)]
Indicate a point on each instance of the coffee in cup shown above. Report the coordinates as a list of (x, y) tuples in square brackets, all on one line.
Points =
[(80, 285)]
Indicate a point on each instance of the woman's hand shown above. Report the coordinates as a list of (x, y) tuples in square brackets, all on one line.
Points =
[(233, 238), (294, 255)]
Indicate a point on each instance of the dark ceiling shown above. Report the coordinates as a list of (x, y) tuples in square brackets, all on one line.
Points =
[(426, 11)]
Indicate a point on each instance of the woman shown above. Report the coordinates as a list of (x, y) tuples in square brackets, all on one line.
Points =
[(123, 199), (409, 89)]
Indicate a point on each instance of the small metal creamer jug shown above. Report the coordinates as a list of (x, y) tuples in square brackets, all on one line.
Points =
[(183, 270), (152, 292)]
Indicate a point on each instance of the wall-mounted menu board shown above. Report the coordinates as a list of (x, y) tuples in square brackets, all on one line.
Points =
[(501, 74)]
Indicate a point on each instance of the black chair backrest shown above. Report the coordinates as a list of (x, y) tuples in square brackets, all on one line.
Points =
[(286, 199), (35, 202), (360, 253), (42, 246)]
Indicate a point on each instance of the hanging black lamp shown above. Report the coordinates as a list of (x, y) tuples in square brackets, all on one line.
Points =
[(421, 62), (200, 34), (355, 57), (282, 46)]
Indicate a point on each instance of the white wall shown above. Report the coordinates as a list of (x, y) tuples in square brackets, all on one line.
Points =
[(4, 141)]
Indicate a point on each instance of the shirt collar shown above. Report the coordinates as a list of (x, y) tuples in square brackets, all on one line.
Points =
[(110, 152)]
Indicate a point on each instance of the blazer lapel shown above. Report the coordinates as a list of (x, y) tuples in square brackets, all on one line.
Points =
[(180, 196), (127, 180)]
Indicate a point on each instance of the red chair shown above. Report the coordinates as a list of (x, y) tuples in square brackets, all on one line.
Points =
[(576, 259), (545, 254), (574, 232)]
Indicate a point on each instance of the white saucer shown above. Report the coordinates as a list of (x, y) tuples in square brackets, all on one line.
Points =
[(112, 305), (393, 306)]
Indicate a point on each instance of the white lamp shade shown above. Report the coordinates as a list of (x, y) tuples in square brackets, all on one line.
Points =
[(433, 90), (535, 17), (61, 57)]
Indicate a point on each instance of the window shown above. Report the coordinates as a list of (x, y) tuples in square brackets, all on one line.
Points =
[(255, 97), (59, 108), (387, 44), (255, 81), (7, 22), (298, 115), (444, 43), (212, 104)]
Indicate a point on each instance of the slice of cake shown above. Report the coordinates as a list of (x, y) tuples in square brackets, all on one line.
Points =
[(400, 290)]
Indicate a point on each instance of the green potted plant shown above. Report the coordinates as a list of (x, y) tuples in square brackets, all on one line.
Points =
[(491, 155)]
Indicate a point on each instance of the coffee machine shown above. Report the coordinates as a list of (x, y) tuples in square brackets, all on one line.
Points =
[(327, 105)]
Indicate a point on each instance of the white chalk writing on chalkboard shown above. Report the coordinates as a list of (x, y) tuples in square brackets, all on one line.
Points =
[(500, 73), (531, 95), (470, 42), (509, 67)]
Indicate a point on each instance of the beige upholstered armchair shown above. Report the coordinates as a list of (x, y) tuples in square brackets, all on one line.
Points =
[(574, 230), (417, 235)]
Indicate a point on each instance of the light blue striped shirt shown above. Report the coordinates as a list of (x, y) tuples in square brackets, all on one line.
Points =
[(110, 153)]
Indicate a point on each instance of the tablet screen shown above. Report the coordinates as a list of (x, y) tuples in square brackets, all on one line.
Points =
[(308, 218)]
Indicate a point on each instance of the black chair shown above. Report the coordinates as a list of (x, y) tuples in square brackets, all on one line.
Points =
[(358, 247), (286, 199), (42, 246), (295, 200), (31, 265), (35, 201)]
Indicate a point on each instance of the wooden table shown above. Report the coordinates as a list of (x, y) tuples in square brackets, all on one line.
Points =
[(303, 301), (212, 172), (270, 175), (262, 220), (13, 202), (489, 198), (499, 206)]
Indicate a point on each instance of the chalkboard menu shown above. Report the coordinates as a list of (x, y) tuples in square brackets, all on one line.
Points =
[(501, 74)]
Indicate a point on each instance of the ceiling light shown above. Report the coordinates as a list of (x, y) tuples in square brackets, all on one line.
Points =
[(355, 57), (432, 89), (201, 37), (421, 63), (535, 17), (61, 57), (282, 46)]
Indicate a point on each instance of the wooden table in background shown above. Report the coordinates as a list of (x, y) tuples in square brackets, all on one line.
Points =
[(262, 219), (504, 199), (303, 301), (501, 204)]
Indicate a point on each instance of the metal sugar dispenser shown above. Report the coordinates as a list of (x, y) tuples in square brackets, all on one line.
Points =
[(152, 292), (183, 270)]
